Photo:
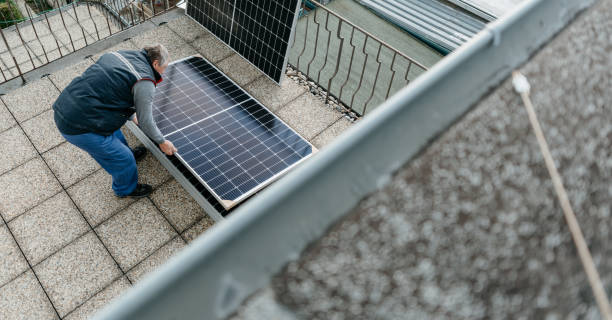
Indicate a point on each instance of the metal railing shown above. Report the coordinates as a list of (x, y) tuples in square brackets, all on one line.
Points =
[(350, 65), (37, 32)]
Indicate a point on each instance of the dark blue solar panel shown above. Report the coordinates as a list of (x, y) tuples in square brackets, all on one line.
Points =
[(231, 142), (259, 30)]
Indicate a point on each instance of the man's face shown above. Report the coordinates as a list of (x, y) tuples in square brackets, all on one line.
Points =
[(159, 68)]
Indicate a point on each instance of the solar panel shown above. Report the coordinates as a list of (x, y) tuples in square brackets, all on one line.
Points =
[(230, 142), (259, 30)]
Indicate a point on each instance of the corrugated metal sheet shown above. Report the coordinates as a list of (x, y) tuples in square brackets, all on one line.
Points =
[(439, 25)]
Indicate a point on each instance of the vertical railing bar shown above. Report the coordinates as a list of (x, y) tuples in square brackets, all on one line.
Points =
[(19, 34), (12, 55), (110, 31), (92, 20), (76, 17), (53, 35), (337, 62), (392, 75), (348, 74), (36, 34), (365, 62), (327, 49), (375, 79), (144, 18), (305, 40), (314, 54), (66, 28), (408, 71), (130, 8), (152, 8)]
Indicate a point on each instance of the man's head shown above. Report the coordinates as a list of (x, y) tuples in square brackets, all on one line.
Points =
[(159, 57)]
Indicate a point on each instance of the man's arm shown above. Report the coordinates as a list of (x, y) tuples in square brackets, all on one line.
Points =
[(143, 98)]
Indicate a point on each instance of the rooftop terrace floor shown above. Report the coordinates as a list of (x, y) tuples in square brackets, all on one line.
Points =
[(67, 244)]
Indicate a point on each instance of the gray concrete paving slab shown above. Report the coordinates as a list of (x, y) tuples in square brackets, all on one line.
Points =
[(156, 259), (176, 46), (212, 48), (98, 301), (177, 205), (70, 164), (26, 186), (271, 94), (135, 233), (308, 115), (13, 263), (330, 134), (240, 70), (6, 119), (124, 45), (24, 298), (150, 171), (77, 272), (42, 131), (48, 227), (62, 78), (94, 196), (15, 150), (31, 99), (198, 228), (187, 29)]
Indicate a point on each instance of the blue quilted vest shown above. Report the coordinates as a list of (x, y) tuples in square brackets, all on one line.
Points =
[(100, 100)]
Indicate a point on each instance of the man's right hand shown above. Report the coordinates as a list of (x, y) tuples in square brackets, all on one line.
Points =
[(167, 147)]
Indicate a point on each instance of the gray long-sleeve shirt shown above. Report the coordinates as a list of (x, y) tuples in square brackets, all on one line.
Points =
[(143, 99)]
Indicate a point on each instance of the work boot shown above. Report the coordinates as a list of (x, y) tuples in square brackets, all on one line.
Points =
[(139, 152), (141, 191)]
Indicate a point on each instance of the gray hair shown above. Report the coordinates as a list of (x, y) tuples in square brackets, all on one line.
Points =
[(157, 52)]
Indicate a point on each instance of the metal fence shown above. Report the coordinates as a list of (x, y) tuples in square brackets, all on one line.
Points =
[(350, 64), (37, 32)]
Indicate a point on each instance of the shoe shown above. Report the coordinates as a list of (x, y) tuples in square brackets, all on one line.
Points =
[(139, 152), (141, 191)]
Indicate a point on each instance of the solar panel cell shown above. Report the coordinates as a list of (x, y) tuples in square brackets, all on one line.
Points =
[(229, 141)]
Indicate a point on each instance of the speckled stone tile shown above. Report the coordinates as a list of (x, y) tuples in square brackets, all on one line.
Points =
[(177, 205), (155, 260), (62, 78), (15, 149), (176, 46), (124, 45), (69, 163), (271, 94), (130, 137), (330, 134), (135, 232), (12, 262), (24, 298), (31, 99), (6, 119), (26, 186), (197, 229), (308, 115), (48, 227), (150, 171), (187, 29), (212, 48), (240, 70), (95, 197), (100, 300), (76, 273), (43, 131)]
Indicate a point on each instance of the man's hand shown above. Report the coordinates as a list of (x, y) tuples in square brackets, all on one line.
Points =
[(167, 147), (135, 119)]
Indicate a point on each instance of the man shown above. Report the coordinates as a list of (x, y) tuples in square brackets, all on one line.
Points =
[(91, 110)]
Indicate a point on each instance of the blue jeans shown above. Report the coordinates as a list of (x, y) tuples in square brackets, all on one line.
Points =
[(114, 155)]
